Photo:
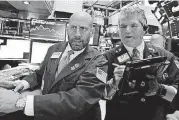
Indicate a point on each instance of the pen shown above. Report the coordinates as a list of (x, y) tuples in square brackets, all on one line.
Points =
[(116, 65)]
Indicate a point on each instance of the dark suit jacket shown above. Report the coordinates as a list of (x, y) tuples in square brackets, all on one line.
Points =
[(75, 93), (154, 108)]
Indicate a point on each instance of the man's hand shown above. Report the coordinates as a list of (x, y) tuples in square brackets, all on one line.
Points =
[(19, 87), (7, 84), (174, 116), (153, 85), (154, 88), (16, 85), (118, 73), (8, 99)]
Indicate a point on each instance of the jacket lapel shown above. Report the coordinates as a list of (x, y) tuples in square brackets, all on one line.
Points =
[(121, 54), (73, 66), (54, 61), (149, 51)]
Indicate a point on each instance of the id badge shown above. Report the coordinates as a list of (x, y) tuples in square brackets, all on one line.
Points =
[(56, 54)]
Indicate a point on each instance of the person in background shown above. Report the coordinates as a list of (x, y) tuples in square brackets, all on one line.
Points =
[(72, 78), (158, 40), (6, 66), (162, 79)]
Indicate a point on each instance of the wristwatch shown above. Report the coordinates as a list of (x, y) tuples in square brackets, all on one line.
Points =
[(21, 102)]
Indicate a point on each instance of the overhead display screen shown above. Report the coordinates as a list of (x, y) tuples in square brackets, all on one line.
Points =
[(47, 29)]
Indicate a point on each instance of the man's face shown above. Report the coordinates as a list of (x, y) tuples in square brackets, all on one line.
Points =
[(79, 33), (131, 31)]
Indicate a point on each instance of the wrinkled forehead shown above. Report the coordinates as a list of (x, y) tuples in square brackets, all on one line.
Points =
[(129, 20), (129, 16), (81, 20), (133, 13), (81, 23)]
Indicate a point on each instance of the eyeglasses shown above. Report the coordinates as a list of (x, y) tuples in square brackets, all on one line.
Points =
[(81, 29)]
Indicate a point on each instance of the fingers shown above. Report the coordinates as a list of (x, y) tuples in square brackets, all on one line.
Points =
[(116, 65), (7, 84), (119, 70), (18, 88), (176, 113), (118, 73), (171, 117)]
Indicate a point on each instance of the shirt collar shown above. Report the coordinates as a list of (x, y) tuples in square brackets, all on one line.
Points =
[(75, 52), (140, 48)]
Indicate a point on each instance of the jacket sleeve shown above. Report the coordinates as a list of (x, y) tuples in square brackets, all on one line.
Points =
[(35, 79), (110, 91), (171, 78), (168, 74), (88, 90), (171, 75)]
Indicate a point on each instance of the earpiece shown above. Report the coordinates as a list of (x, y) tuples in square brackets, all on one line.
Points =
[(145, 27)]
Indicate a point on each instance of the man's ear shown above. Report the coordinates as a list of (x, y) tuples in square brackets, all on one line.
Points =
[(92, 32), (67, 29), (145, 27)]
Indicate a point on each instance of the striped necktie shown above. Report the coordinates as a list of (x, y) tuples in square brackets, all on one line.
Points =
[(136, 54), (64, 61)]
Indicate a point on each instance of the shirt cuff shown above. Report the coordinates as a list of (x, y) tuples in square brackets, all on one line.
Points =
[(109, 90), (26, 84), (170, 94), (29, 107)]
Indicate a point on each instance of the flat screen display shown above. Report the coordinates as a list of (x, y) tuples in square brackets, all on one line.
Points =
[(47, 29), (15, 27)]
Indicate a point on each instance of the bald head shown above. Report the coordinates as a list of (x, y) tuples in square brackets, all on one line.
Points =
[(79, 30), (81, 16), (157, 40)]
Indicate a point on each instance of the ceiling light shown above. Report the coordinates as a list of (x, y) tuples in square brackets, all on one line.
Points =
[(26, 2)]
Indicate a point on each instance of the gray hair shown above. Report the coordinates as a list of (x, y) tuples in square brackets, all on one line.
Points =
[(133, 11)]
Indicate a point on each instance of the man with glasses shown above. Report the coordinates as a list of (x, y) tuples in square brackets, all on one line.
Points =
[(160, 82)]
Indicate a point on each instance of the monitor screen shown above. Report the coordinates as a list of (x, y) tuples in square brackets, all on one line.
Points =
[(48, 29), (96, 35), (15, 27), (39, 51), (10, 23)]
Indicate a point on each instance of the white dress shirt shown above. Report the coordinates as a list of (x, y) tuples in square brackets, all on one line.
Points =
[(140, 48), (76, 53)]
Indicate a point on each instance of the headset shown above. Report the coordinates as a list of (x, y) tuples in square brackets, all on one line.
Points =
[(145, 27)]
